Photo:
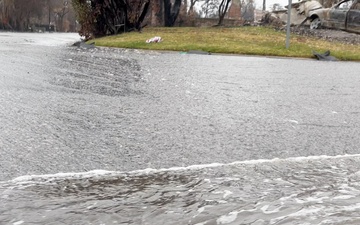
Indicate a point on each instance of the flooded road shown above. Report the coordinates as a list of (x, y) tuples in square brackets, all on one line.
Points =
[(71, 110), (314, 190)]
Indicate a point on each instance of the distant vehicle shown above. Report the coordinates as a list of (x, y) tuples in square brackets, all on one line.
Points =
[(343, 16)]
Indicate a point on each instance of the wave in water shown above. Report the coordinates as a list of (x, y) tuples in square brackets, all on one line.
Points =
[(304, 190)]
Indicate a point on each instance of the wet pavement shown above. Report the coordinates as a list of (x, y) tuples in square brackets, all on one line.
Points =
[(68, 109), (80, 128)]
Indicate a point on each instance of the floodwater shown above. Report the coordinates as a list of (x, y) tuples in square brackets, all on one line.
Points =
[(312, 190), (85, 133)]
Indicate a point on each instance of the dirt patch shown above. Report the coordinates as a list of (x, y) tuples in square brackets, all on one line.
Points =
[(328, 35)]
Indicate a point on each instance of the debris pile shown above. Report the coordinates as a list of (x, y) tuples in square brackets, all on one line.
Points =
[(324, 56), (155, 39)]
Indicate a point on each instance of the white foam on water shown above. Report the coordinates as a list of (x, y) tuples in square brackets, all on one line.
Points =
[(348, 190), (344, 197), (355, 207), (92, 206), (265, 210), (294, 121), (49, 39), (305, 212), (19, 222), (311, 199), (285, 198), (96, 173), (64, 175), (225, 219), (222, 201), (227, 193), (200, 210)]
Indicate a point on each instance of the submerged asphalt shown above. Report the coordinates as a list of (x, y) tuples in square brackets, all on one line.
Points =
[(73, 109)]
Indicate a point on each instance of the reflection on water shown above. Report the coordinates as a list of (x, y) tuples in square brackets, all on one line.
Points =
[(316, 190)]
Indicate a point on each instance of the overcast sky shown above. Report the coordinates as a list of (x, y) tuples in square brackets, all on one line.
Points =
[(269, 3)]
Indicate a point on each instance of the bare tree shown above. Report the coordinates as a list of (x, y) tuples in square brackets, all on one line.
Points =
[(223, 8), (27, 12), (7, 8), (24, 14), (171, 12), (60, 11), (247, 10), (209, 9), (192, 4), (106, 17)]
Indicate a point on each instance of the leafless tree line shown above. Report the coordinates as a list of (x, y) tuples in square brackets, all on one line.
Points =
[(100, 17), (107, 17), (24, 15)]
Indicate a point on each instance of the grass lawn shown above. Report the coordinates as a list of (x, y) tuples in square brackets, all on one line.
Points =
[(238, 40)]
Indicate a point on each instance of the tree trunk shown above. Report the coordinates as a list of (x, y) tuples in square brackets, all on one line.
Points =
[(224, 5), (108, 17), (142, 16), (264, 5), (171, 12)]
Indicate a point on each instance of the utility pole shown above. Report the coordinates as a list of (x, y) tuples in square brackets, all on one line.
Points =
[(49, 7), (288, 26)]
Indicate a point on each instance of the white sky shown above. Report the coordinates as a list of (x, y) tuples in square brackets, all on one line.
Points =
[(269, 3)]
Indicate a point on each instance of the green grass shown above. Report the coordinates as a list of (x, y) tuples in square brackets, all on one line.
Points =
[(241, 40)]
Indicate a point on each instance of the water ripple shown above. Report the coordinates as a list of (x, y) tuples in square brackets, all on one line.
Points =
[(313, 190)]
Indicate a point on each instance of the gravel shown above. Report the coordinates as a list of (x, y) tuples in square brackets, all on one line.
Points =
[(329, 35)]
